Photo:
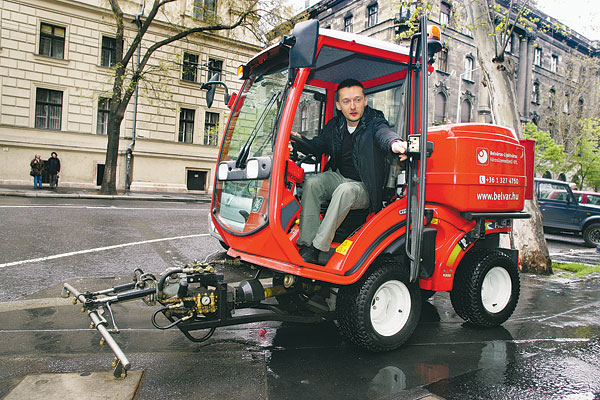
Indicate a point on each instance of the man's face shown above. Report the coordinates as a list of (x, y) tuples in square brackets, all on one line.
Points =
[(351, 103)]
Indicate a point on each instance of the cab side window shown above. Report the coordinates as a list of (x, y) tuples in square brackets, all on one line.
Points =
[(593, 199)]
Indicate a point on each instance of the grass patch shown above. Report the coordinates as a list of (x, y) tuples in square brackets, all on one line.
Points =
[(578, 269)]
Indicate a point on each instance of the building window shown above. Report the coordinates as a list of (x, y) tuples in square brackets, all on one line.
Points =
[(190, 67), (468, 73), (205, 9), (348, 24), (52, 41), (304, 119), (554, 63), (580, 104), (445, 9), (211, 128), (552, 99), (48, 109), (186, 125), (537, 57), (215, 67), (108, 54), (465, 111), (103, 113), (440, 108), (510, 45), (372, 15), (407, 10), (443, 60), (535, 94), (196, 180)]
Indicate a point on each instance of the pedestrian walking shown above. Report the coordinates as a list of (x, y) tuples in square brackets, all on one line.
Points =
[(37, 167), (53, 168)]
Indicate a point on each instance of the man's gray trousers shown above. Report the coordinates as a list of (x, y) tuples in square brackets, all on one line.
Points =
[(343, 195)]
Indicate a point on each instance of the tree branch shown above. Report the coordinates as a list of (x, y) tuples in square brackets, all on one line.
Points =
[(137, 73)]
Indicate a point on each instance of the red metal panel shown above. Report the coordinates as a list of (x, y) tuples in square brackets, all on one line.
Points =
[(529, 145)]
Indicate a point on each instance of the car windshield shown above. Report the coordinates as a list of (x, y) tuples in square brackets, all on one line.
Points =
[(241, 205)]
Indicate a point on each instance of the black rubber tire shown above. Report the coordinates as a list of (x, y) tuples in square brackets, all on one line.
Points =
[(466, 294), (591, 235), (354, 303)]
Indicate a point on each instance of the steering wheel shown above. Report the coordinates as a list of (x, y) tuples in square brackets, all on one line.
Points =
[(304, 151)]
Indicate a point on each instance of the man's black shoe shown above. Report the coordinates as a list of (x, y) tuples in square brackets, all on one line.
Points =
[(310, 254)]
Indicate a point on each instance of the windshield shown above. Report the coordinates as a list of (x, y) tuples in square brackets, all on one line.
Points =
[(241, 205)]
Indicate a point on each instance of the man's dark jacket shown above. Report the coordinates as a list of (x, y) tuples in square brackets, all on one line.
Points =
[(372, 140), (52, 165)]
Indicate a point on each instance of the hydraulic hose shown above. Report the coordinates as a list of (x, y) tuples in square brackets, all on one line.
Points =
[(157, 326)]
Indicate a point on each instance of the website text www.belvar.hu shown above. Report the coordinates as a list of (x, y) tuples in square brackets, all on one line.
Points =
[(498, 196)]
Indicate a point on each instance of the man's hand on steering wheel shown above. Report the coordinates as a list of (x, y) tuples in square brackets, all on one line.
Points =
[(301, 145)]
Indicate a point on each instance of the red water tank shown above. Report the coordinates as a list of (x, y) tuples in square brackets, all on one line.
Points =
[(476, 167)]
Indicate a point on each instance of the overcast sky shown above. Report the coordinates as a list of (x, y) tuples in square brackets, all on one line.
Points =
[(583, 16)]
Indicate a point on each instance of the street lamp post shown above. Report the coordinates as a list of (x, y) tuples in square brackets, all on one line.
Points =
[(460, 79)]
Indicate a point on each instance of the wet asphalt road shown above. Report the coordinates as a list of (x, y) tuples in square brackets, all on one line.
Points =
[(549, 349)]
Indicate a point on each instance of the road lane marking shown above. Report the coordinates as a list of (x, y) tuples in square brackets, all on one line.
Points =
[(595, 304), (97, 249)]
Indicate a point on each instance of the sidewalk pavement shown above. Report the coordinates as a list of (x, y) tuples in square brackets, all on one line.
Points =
[(83, 193)]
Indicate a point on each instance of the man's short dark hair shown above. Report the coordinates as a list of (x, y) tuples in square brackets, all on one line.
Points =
[(53, 153), (347, 83)]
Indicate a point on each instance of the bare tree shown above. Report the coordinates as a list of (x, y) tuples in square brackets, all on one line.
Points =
[(253, 15), (498, 71)]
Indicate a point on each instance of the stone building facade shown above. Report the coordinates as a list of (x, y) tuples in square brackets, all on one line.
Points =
[(56, 76), (543, 55)]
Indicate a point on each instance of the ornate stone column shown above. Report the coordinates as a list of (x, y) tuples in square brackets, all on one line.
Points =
[(521, 75), (528, 76)]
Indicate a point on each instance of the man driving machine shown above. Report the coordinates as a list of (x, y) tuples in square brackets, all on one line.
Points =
[(357, 142)]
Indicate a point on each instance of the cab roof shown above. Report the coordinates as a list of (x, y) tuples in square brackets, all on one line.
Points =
[(343, 55)]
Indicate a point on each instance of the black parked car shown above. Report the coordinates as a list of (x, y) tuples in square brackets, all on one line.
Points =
[(562, 212)]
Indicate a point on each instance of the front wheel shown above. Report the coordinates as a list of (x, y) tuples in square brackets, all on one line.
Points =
[(380, 311), (486, 288), (591, 235)]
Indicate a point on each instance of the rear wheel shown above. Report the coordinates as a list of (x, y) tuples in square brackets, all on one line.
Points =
[(486, 288), (591, 235), (380, 311)]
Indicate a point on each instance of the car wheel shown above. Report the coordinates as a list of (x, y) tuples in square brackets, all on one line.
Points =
[(591, 235), (486, 288), (380, 311)]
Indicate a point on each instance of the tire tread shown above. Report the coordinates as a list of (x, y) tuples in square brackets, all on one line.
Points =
[(466, 293)]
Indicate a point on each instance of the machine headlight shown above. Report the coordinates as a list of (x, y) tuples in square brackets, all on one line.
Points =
[(223, 171), (252, 169)]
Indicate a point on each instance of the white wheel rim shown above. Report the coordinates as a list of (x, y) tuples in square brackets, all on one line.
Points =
[(390, 308), (496, 290)]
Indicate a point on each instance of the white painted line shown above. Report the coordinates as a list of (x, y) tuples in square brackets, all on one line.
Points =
[(595, 304), (116, 246)]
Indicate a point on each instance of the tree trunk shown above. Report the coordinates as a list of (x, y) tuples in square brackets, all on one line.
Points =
[(109, 181), (528, 235)]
